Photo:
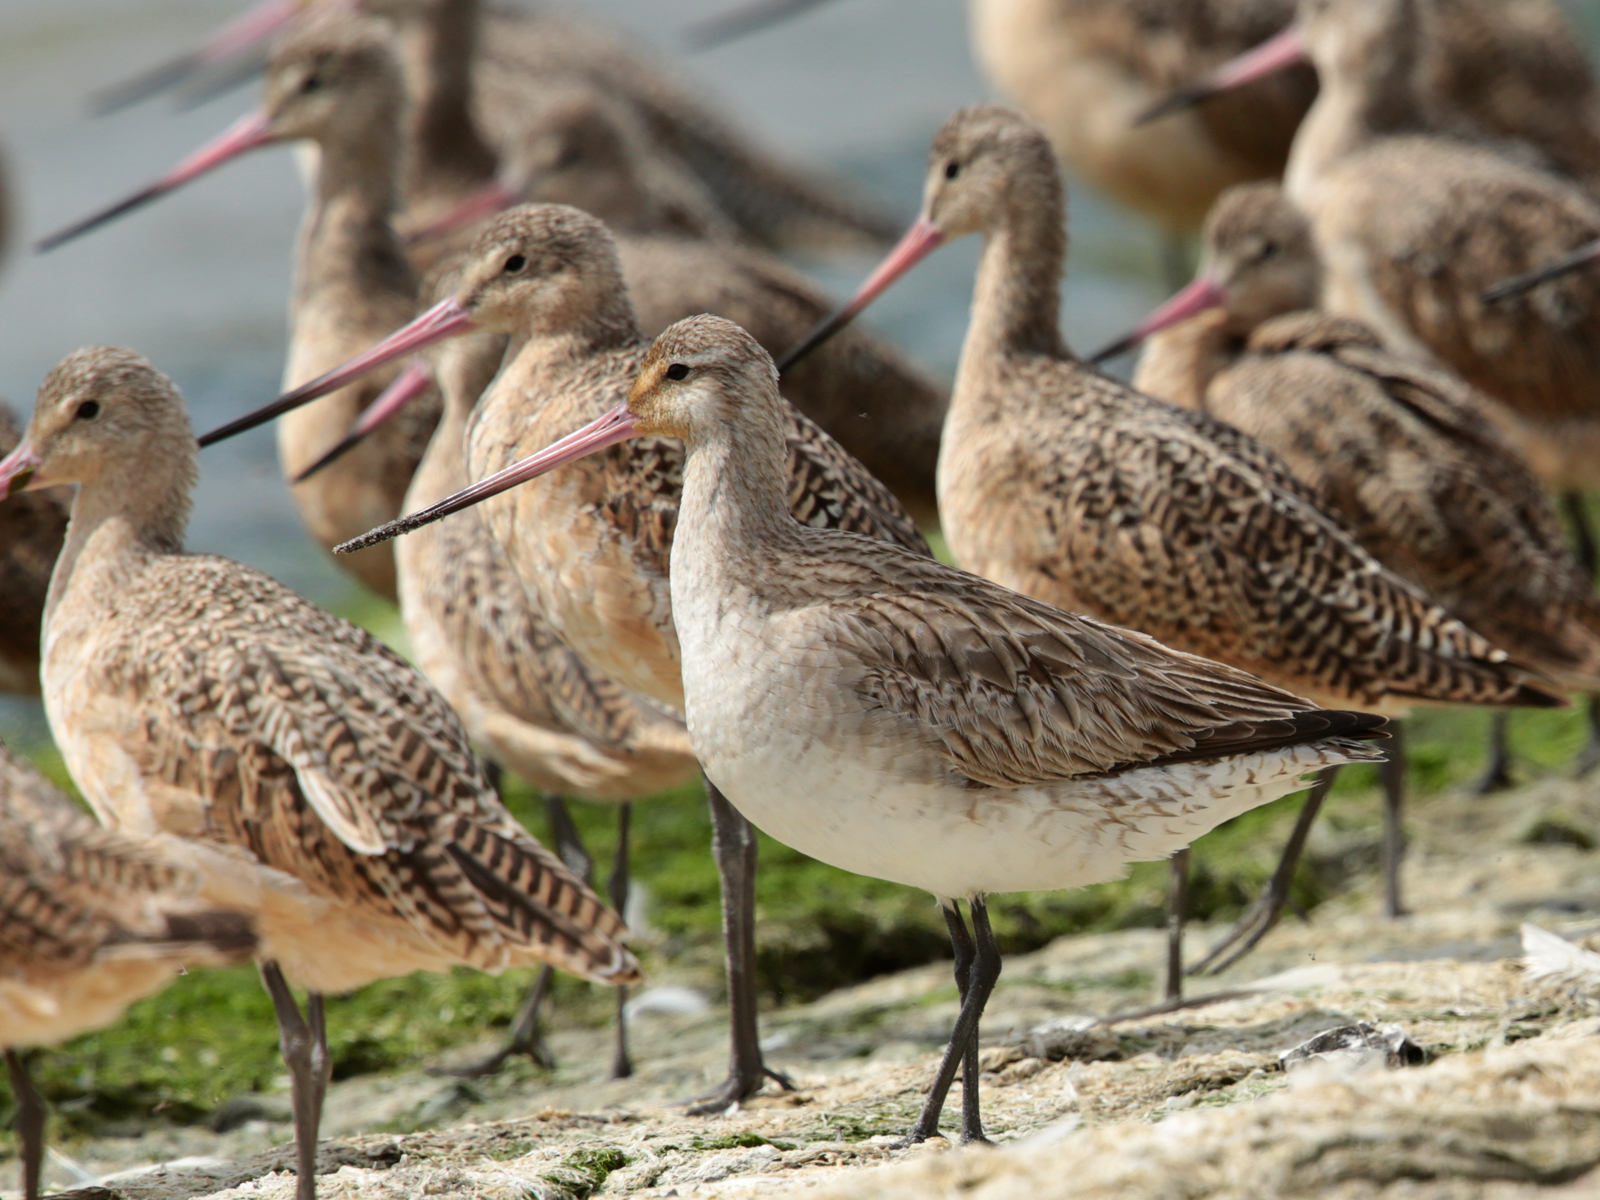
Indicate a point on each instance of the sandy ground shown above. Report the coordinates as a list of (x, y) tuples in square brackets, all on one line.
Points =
[(1505, 1100)]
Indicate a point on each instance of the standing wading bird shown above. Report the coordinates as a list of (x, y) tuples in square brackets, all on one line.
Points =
[(333, 81), (90, 921), (31, 530), (1402, 452), (591, 545), (903, 719), (1070, 487), (1414, 218), (522, 694), (321, 783)]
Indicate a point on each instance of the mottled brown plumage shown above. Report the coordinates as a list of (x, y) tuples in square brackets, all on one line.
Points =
[(1402, 452), (91, 919), (329, 790), (31, 529), (1413, 224), (1066, 485)]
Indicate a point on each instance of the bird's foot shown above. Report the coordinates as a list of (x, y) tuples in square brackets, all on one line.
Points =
[(740, 1085), (535, 1048), (1495, 778), (1256, 923)]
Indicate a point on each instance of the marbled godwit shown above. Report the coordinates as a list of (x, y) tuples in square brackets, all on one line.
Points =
[(90, 921), (333, 81), (1402, 452), (330, 786), (526, 698), (31, 530), (1072, 488), (900, 718), (591, 545)]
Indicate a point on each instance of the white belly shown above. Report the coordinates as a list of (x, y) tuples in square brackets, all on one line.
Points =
[(956, 842)]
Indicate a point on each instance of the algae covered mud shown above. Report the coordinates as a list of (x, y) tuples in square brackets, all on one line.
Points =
[(1493, 1095)]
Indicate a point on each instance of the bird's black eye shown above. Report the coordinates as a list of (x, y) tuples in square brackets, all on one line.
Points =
[(88, 410), (515, 263), (952, 169), (677, 371), (311, 83), (1269, 249)]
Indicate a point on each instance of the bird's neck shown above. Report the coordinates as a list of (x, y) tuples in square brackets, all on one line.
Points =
[(444, 149), (1016, 303), (119, 521), (1360, 99), (734, 513), (1178, 364)]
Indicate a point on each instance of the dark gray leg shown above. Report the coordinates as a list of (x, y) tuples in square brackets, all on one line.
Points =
[(1259, 919), (305, 1053), (963, 1047), (526, 1036), (1496, 775), (735, 847), (30, 1123), (966, 952), (621, 1063), (1177, 914), (1588, 553), (1393, 773), (1589, 757)]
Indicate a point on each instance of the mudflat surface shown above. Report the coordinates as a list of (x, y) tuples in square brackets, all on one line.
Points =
[(1504, 1099)]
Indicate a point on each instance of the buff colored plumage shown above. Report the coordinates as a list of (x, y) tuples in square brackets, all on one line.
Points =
[(333, 790)]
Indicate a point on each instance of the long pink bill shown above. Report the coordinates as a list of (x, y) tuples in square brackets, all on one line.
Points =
[(1196, 298), (615, 426), (445, 319), (247, 133), (246, 32), (921, 240), (407, 386), (19, 470), (1275, 54), (1518, 285), (484, 203)]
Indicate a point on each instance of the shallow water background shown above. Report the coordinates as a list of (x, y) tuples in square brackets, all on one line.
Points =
[(198, 282)]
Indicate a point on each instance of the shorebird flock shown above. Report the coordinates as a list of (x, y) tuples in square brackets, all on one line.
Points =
[(651, 505)]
